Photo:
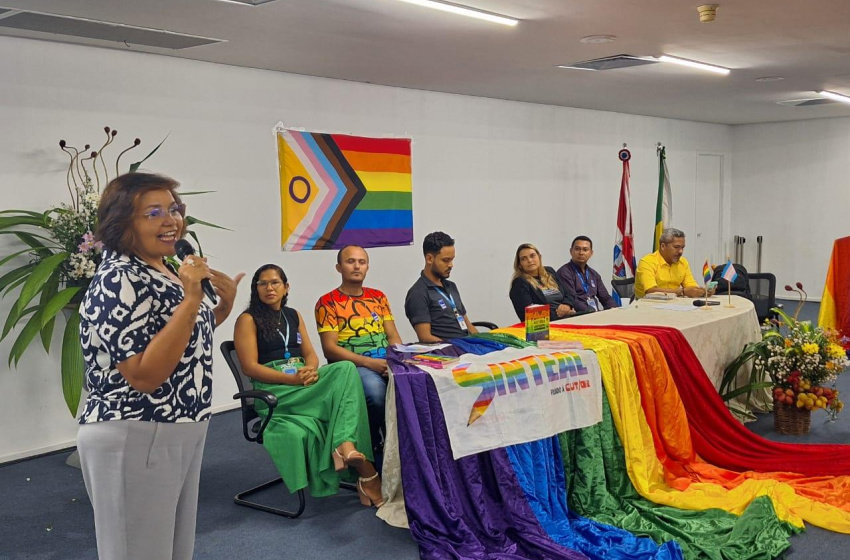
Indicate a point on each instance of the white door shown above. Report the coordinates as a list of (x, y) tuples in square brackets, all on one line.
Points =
[(706, 243)]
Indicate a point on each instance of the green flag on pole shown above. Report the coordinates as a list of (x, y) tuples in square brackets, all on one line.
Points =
[(664, 206)]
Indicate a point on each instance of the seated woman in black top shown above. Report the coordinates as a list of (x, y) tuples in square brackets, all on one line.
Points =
[(536, 284), (314, 435)]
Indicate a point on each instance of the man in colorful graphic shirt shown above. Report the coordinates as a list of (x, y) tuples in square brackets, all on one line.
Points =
[(355, 323)]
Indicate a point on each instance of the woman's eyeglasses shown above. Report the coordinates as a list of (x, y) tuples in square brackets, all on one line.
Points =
[(271, 284), (176, 211)]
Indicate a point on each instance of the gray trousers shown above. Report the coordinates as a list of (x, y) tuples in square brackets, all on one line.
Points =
[(142, 480)]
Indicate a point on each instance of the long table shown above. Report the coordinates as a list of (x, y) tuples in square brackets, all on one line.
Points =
[(717, 335)]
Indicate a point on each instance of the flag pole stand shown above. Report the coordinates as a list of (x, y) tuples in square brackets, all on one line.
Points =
[(729, 305), (705, 307)]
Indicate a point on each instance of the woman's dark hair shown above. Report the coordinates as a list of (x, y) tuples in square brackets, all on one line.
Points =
[(266, 318), (118, 205)]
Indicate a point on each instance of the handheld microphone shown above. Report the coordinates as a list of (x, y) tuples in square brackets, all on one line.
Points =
[(184, 249), (701, 302)]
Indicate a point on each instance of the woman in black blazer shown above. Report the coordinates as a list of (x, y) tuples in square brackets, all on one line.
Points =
[(534, 283)]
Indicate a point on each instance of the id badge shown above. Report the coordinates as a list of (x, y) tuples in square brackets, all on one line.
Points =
[(289, 367), (298, 338), (442, 304), (461, 322), (591, 301)]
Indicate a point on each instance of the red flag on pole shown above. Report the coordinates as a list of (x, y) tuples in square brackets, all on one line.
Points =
[(624, 243)]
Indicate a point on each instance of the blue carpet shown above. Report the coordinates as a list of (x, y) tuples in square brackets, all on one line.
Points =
[(46, 515)]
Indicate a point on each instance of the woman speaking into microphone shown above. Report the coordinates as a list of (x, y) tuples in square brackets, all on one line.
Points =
[(147, 338)]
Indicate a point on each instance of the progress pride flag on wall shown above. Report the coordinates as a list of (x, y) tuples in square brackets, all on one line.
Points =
[(338, 190)]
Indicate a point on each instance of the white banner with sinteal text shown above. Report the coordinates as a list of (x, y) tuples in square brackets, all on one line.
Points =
[(517, 395)]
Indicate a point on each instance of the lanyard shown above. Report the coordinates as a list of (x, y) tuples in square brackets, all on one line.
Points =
[(584, 280), (448, 297), (286, 353)]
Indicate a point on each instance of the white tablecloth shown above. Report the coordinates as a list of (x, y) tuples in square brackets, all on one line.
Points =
[(716, 333)]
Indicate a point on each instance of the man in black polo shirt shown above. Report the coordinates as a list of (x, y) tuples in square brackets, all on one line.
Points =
[(433, 303)]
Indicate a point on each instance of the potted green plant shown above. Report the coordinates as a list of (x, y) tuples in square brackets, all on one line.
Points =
[(62, 257)]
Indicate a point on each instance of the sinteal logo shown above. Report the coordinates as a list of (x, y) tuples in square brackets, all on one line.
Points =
[(506, 378)]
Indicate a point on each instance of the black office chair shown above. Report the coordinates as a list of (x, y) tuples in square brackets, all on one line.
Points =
[(485, 324), (625, 287), (763, 294), (253, 427)]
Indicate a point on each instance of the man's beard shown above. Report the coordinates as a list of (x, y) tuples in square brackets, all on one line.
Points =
[(437, 273)]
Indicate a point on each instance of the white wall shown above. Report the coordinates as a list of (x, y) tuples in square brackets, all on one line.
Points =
[(792, 186), (492, 173)]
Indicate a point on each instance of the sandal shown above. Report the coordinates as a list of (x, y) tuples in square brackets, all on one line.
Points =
[(353, 459), (366, 498)]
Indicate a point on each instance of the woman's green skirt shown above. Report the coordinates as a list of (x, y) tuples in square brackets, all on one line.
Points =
[(310, 422)]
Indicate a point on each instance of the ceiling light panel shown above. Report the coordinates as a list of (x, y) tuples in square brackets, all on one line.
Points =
[(694, 64), (464, 11), (834, 96)]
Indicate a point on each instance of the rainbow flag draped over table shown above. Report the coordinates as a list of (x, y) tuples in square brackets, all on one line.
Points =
[(835, 303), (667, 462), (338, 190)]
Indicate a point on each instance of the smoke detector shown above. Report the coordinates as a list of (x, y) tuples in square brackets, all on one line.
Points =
[(598, 39), (707, 12)]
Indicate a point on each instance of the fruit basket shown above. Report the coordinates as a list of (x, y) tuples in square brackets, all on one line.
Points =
[(791, 420)]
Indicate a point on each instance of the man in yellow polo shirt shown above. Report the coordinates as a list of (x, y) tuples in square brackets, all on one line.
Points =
[(666, 270)]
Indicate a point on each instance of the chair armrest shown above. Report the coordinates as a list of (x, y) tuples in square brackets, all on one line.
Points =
[(271, 402), (486, 325), (265, 396)]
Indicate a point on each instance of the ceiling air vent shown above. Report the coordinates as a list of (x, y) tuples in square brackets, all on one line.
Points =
[(101, 30), (250, 2), (803, 102), (611, 62)]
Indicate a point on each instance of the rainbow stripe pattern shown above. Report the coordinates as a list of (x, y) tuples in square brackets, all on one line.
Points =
[(668, 474), (835, 303), (504, 378), (338, 190)]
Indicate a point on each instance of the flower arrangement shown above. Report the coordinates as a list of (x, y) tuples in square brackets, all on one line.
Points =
[(803, 365), (797, 360), (61, 259), (72, 227)]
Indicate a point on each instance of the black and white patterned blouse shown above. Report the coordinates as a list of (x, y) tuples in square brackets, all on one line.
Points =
[(127, 303)]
